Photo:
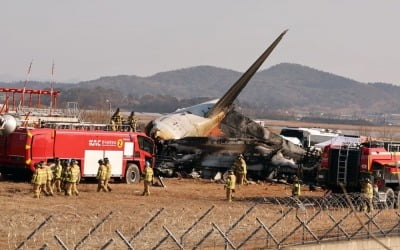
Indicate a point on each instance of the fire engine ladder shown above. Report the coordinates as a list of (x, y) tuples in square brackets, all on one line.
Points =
[(342, 164)]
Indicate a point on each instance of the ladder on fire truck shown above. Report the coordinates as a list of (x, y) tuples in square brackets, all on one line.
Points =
[(343, 157), (343, 161), (84, 126)]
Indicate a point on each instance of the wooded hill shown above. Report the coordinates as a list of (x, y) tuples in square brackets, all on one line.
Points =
[(281, 88)]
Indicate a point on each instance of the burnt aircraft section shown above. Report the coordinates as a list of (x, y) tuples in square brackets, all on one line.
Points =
[(202, 119), (267, 155), (186, 139)]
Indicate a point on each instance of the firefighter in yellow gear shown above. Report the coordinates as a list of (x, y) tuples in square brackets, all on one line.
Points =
[(108, 176), (133, 122), (240, 168), (57, 171), (67, 179), (101, 176), (296, 187), (148, 178), (37, 178), (116, 120), (49, 179), (367, 194), (230, 185), (73, 177)]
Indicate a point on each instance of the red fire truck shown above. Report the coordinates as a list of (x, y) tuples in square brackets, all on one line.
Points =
[(127, 151), (349, 164)]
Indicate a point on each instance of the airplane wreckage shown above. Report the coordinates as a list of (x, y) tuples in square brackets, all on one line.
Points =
[(206, 138)]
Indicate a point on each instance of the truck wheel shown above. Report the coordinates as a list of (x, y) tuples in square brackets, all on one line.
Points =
[(390, 198), (132, 175)]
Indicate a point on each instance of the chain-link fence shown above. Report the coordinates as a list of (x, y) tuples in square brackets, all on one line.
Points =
[(259, 223)]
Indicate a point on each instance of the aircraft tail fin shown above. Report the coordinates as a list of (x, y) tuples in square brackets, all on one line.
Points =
[(235, 90)]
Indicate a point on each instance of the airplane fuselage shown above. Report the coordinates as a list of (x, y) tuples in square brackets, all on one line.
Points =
[(190, 121)]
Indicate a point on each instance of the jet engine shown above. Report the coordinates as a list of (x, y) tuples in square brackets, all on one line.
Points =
[(8, 124)]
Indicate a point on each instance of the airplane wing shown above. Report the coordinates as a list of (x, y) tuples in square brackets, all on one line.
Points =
[(235, 90)]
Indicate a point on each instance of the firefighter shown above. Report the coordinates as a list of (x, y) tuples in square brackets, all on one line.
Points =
[(101, 176), (230, 185), (73, 177), (49, 179), (64, 175), (67, 177), (76, 174), (108, 176), (132, 121), (116, 120), (37, 178), (296, 188), (113, 128), (240, 168), (367, 193), (57, 170), (43, 178), (148, 178)]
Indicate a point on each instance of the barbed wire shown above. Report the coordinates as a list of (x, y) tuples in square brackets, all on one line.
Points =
[(333, 201)]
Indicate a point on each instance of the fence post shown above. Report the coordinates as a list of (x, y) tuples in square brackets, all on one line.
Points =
[(227, 240), (395, 226), (337, 224), (130, 247), (146, 224), (44, 246), (240, 219), (363, 225), (204, 238), (301, 224), (92, 230), (197, 222), (160, 242), (34, 231), (107, 244), (269, 233), (249, 237), (62, 244), (173, 237)]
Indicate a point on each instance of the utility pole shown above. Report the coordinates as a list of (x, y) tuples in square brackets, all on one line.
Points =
[(110, 111)]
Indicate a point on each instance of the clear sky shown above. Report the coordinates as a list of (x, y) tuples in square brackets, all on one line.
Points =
[(87, 39)]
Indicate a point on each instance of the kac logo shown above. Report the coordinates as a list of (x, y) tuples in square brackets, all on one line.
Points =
[(94, 143)]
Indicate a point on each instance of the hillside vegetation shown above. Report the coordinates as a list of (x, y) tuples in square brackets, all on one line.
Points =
[(281, 89)]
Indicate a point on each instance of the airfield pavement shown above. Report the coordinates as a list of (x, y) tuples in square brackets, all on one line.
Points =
[(17, 203)]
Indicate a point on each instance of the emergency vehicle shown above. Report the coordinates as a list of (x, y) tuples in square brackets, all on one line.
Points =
[(307, 137), (351, 163), (127, 151)]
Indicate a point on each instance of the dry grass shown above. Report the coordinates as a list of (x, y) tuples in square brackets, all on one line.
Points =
[(184, 201)]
